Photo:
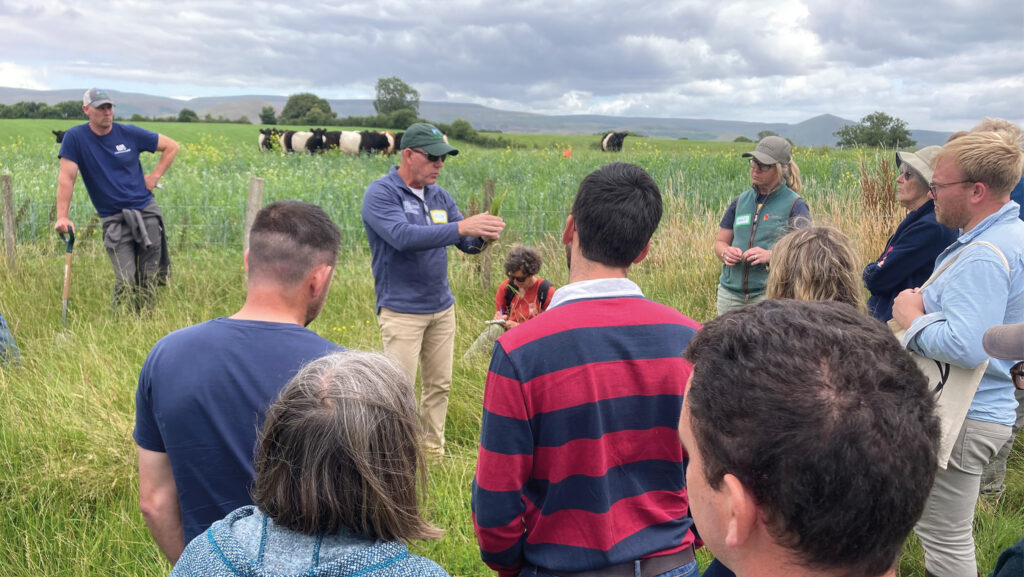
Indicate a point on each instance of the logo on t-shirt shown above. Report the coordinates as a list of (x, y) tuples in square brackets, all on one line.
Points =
[(121, 149)]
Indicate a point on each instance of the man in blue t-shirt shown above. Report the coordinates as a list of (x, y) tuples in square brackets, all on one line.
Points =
[(107, 155), (204, 389)]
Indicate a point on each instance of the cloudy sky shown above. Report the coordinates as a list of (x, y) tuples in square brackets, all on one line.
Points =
[(939, 65)]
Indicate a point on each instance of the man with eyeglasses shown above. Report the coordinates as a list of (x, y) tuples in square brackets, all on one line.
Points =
[(971, 186), (409, 222)]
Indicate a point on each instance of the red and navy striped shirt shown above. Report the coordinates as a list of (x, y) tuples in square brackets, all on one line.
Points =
[(580, 465)]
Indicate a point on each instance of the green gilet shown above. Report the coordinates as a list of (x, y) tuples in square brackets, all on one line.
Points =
[(757, 226)]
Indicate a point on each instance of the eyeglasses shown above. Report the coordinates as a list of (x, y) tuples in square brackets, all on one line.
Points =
[(519, 278), (755, 165), (1017, 375), (933, 186), (907, 176), (430, 157)]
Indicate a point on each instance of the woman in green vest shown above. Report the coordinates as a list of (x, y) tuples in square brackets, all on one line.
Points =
[(755, 220)]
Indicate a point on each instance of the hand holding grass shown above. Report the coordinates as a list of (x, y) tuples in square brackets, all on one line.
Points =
[(484, 225)]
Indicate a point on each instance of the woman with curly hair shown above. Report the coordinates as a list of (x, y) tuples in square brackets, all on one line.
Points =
[(520, 297)]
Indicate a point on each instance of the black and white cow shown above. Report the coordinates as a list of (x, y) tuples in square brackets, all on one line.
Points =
[(612, 141), (372, 141), (397, 142), (285, 140), (309, 141), (267, 138), (332, 140), (349, 141), (59, 135)]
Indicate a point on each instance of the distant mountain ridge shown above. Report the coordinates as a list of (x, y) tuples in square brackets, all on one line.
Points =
[(817, 131)]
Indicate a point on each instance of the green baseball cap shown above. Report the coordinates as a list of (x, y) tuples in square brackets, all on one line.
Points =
[(429, 138)]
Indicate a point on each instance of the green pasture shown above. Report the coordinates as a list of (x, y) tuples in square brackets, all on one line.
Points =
[(68, 482), (205, 191)]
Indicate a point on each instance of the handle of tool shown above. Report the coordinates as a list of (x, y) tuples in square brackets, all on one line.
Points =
[(69, 239), (67, 276)]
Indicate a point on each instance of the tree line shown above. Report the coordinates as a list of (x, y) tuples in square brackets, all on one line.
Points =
[(397, 106)]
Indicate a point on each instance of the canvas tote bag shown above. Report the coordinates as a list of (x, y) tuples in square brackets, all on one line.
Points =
[(954, 386)]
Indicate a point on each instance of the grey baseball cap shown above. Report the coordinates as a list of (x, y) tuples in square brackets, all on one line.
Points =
[(920, 161), (772, 150), (96, 97)]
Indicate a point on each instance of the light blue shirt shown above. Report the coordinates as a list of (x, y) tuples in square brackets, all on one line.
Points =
[(972, 295)]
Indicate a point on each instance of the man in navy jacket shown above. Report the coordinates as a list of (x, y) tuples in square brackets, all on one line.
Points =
[(409, 220)]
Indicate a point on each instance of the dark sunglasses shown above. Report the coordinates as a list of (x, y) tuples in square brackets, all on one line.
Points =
[(1017, 375), (519, 278), (758, 166), (430, 157)]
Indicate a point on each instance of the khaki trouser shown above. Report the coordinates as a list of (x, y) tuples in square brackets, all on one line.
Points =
[(945, 527), (728, 300), (993, 478), (428, 339)]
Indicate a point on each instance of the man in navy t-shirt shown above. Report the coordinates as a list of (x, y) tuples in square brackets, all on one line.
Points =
[(107, 155), (204, 389)]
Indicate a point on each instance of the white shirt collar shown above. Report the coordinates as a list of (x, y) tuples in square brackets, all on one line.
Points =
[(596, 288)]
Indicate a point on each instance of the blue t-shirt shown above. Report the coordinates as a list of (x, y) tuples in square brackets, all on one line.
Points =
[(202, 395), (110, 166)]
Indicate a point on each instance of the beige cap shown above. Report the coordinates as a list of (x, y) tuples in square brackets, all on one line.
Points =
[(772, 150), (920, 161)]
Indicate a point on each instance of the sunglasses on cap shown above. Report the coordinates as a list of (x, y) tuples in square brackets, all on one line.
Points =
[(430, 157)]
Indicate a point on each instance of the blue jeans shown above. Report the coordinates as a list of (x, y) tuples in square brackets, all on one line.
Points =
[(688, 570)]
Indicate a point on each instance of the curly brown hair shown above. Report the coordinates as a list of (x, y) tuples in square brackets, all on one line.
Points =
[(523, 258)]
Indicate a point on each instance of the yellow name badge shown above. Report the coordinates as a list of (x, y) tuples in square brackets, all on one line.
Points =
[(439, 217)]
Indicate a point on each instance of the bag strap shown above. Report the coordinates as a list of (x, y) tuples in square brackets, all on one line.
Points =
[(510, 293), (542, 293), (952, 260)]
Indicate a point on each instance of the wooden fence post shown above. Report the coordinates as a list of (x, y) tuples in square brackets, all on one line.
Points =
[(10, 227), (252, 206), (485, 258)]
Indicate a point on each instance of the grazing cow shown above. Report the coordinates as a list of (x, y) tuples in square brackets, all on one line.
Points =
[(612, 141), (59, 135), (392, 147), (372, 141), (397, 145), (348, 142), (267, 138), (332, 140), (285, 139), (311, 141)]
